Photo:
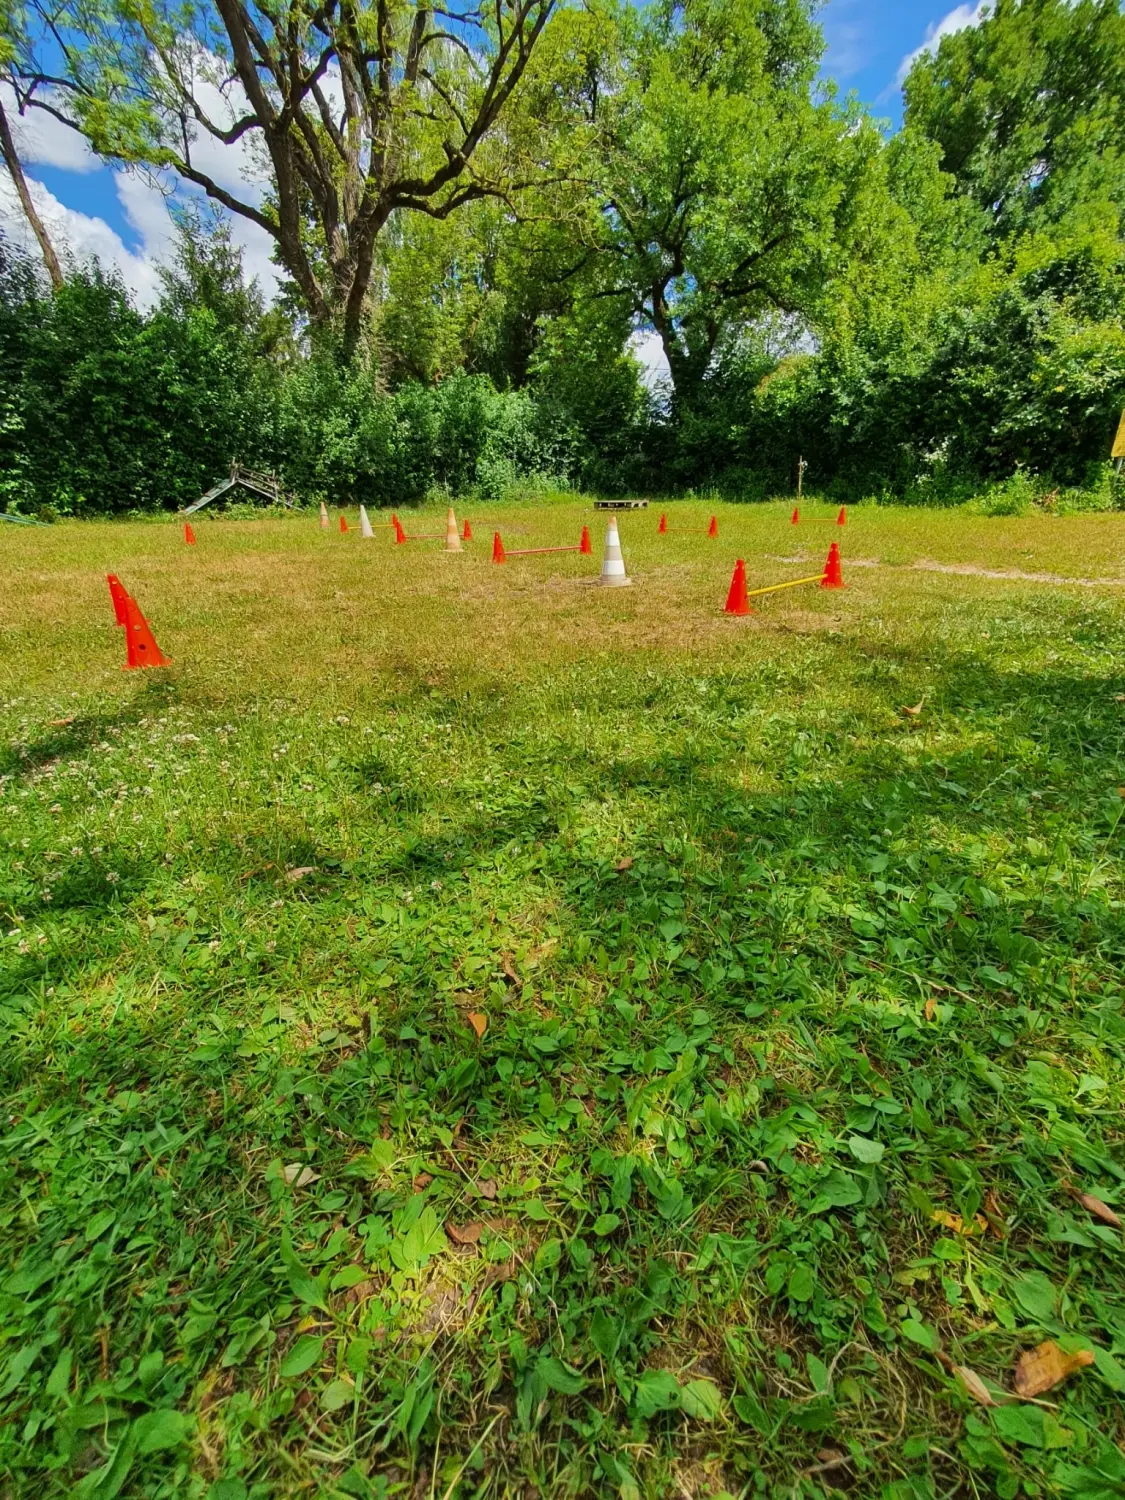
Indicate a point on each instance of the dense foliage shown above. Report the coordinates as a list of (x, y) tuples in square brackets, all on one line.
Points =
[(917, 316)]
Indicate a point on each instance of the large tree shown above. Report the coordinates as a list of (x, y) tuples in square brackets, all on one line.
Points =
[(355, 110), (1028, 109), (727, 185)]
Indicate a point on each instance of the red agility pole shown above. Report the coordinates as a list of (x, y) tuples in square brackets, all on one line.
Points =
[(499, 555), (710, 530)]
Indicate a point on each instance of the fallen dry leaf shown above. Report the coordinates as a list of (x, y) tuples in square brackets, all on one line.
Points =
[(914, 712), (478, 1022), (59, 723), (298, 1175), (995, 1215), (956, 1223), (298, 873), (1042, 1368), (486, 1187), (508, 972), (463, 1234), (930, 1009), (422, 1182), (625, 864), (1094, 1206), (974, 1385)]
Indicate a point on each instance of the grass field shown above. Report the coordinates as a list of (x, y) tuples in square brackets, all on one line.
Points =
[(468, 1034)]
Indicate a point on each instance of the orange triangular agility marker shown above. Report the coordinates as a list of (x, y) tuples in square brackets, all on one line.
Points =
[(189, 535), (833, 573), (663, 527), (343, 524), (842, 518), (400, 535), (141, 649), (498, 554), (467, 534), (796, 516), (118, 593), (713, 529), (584, 545), (737, 602)]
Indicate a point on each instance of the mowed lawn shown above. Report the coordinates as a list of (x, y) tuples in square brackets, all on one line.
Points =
[(466, 1033)]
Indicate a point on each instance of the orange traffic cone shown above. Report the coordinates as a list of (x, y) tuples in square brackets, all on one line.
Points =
[(467, 534), (796, 516), (713, 529), (833, 573), (452, 539), (189, 535), (141, 649), (400, 535), (842, 518), (498, 554), (323, 516), (119, 594), (663, 527), (737, 602), (584, 545), (343, 524)]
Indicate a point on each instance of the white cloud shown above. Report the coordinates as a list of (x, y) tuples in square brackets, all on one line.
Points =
[(958, 19), (44, 141), (76, 237)]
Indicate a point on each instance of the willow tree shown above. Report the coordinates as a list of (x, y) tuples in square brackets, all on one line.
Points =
[(348, 110)]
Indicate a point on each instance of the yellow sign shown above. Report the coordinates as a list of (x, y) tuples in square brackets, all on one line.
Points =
[(1119, 440)]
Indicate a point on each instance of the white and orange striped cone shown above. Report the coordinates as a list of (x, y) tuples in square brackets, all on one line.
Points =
[(365, 524), (452, 538), (613, 564), (323, 516)]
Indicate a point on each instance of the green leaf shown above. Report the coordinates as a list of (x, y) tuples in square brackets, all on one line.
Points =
[(837, 1190), (702, 1399), (98, 1225), (606, 1334), (867, 1151), (656, 1390), (305, 1353), (801, 1283), (606, 1223), (558, 1377), (548, 1255), (1109, 1369), (1036, 1296), (306, 1288), (158, 1430), (1019, 1423), (337, 1395), (919, 1334)]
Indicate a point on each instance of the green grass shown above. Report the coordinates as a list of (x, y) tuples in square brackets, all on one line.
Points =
[(861, 982)]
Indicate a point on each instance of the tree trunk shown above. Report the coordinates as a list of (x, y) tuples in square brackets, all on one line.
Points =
[(11, 158)]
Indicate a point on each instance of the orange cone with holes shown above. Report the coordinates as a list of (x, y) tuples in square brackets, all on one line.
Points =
[(842, 518), (141, 649), (400, 535), (343, 524), (189, 535), (713, 529), (467, 534), (833, 572), (795, 518), (498, 554), (119, 594), (737, 601), (663, 527), (584, 546)]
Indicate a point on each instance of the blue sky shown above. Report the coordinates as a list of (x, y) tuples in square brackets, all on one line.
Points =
[(93, 209)]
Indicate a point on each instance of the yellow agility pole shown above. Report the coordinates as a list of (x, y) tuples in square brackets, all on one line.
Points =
[(794, 583)]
